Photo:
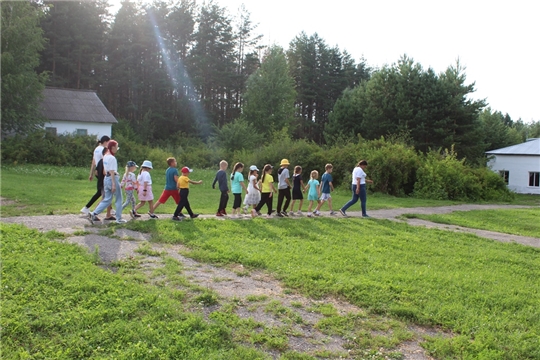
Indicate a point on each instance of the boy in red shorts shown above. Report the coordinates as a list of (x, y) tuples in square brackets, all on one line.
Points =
[(171, 189)]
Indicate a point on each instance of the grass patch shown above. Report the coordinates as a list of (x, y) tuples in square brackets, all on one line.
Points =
[(524, 222), (483, 290), (57, 305)]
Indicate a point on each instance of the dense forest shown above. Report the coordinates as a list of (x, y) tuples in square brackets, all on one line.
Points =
[(197, 70)]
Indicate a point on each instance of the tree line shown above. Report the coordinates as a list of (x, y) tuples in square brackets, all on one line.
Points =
[(194, 70)]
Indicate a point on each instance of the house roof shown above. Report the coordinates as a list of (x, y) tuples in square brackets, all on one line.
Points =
[(74, 105), (530, 147)]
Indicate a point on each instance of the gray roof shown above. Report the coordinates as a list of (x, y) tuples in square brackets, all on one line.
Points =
[(74, 105), (530, 147)]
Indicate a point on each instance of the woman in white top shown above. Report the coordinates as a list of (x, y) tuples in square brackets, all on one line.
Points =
[(111, 185), (358, 189), (98, 155)]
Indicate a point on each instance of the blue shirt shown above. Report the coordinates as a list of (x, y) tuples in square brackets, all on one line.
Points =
[(326, 179), (235, 183), (170, 183)]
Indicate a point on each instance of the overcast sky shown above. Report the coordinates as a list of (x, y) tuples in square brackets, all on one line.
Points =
[(497, 41)]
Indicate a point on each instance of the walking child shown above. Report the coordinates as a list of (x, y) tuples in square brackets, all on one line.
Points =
[(267, 189), (129, 183), (253, 193), (145, 188), (298, 186), (284, 188), (326, 187), (314, 190), (221, 179), (183, 185), (171, 188), (237, 183)]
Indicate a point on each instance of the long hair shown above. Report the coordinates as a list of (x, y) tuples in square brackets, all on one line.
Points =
[(265, 169), (314, 174), (237, 166)]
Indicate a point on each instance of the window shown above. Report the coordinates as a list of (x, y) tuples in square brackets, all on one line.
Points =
[(504, 174), (82, 132), (534, 179), (51, 130)]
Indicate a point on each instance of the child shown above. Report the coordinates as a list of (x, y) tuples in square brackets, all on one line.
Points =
[(326, 188), (237, 183), (129, 183), (314, 190), (111, 184), (253, 192), (267, 189), (284, 188), (171, 189), (183, 185), (221, 178), (145, 188), (298, 185)]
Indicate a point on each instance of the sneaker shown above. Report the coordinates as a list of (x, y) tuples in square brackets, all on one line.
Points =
[(113, 212), (177, 218), (299, 213), (284, 213), (121, 221), (317, 212), (219, 214), (259, 213), (342, 212), (181, 216), (245, 210), (90, 218), (153, 216), (224, 212), (110, 218), (279, 214), (194, 216), (132, 214), (333, 212), (366, 215), (309, 215), (85, 210), (291, 213)]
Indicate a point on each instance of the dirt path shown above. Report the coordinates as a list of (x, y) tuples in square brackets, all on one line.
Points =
[(254, 294)]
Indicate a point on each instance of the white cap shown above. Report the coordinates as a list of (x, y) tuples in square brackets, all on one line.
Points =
[(253, 167)]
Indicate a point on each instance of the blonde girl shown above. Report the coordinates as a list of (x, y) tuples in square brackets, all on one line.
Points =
[(298, 185), (129, 183), (267, 189), (314, 192), (253, 192), (145, 188), (237, 183)]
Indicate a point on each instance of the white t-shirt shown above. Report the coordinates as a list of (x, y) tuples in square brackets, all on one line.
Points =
[(144, 177), (98, 153), (250, 188), (110, 163), (282, 184), (358, 173)]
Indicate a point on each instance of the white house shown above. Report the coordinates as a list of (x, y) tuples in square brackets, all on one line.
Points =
[(519, 165), (71, 111)]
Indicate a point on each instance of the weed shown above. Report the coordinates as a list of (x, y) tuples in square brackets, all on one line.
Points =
[(255, 298), (146, 249)]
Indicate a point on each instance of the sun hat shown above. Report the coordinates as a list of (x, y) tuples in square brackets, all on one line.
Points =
[(147, 164), (186, 170), (131, 163), (253, 168), (284, 162)]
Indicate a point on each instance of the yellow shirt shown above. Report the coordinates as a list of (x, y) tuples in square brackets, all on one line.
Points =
[(268, 179), (183, 182)]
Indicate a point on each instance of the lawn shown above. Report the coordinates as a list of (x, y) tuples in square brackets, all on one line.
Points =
[(523, 222)]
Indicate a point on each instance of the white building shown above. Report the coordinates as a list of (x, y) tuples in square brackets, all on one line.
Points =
[(80, 112), (519, 165)]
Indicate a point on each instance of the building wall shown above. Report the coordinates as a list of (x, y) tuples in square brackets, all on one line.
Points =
[(518, 168), (70, 127)]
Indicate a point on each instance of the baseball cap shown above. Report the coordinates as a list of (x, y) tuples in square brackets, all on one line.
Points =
[(186, 170), (131, 163), (253, 168)]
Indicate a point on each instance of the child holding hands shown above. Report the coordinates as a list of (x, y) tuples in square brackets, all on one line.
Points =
[(314, 191), (298, 186), (129, 183), (237, 183), (183, 185), (267, 189)]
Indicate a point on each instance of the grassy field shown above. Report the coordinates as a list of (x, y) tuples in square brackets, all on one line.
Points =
[(58, 304), (48, 190), (525, 222)]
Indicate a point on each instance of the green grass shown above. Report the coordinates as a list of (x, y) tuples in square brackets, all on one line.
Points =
[(57, 305), (525, 222), (48, 190), (487, 293)]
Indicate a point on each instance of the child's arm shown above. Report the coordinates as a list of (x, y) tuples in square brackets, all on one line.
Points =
[(244, 186), (195, 182), (214, 183), (331, 186), (272, 188), (256, 185), (319, 187)]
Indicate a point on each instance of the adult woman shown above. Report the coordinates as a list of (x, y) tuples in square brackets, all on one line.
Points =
[(358, 188), (111, 185), (98, 155)]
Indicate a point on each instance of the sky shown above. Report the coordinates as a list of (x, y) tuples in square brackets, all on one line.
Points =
[(498, 42)]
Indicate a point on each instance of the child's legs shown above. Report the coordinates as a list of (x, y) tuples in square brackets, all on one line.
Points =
[(292, 205), (139, 205), (269, 203), (264, 198), (321, 202), (287, 199), (281, 195), (300, 205), (309, 206), (330, 203), (223, 200)]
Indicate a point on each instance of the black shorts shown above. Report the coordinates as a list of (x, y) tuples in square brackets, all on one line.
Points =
[(297, 194)]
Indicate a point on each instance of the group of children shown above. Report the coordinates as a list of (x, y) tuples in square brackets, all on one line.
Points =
[(258, 193)]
